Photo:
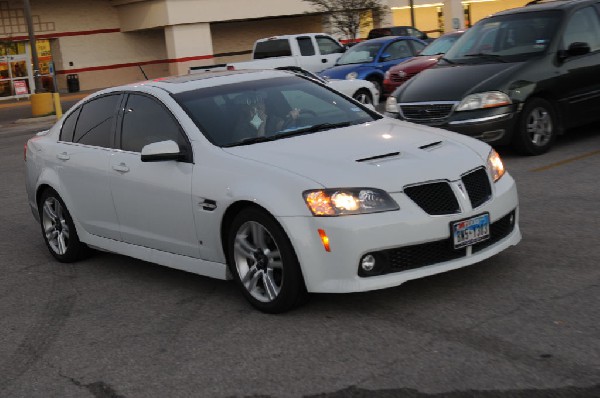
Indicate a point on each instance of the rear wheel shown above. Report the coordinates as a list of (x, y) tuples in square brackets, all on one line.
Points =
[(363, 96), (537, 127), (264, 263), (58, 229)]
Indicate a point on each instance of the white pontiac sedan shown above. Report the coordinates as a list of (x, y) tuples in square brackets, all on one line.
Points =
[(270, 179)]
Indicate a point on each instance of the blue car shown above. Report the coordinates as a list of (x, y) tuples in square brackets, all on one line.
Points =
[(370, 59)]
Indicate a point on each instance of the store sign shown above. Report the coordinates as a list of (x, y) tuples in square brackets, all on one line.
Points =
[(20, 87)]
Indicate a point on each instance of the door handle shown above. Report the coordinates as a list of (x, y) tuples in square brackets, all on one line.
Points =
[(324, 60), (63, 156), (121, 167)]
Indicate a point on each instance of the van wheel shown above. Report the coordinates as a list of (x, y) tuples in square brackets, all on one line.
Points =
[(536, 129), (263, 262)]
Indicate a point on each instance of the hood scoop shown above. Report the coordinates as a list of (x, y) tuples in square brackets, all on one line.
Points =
[(386, 156), (431, 146)]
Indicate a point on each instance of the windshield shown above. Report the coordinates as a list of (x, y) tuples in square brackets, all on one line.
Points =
[(360, 54), (441, 45), (268, 109), (506, 38)]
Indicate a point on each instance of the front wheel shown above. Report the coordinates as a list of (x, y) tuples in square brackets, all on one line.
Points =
[(264, 263), (58, 229), (536, 129)]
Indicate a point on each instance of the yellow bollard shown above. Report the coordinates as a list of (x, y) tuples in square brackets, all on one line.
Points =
[(57, 105), (41, 104)]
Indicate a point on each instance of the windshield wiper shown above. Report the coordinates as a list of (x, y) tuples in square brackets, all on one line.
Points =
[(313, 129), (494, 57), (286, 134), (252, 140)]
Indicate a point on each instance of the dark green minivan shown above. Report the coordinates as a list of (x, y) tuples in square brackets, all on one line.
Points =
[(521, 76)]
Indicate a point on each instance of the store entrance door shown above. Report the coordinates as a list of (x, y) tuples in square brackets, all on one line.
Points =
[(16, 75)]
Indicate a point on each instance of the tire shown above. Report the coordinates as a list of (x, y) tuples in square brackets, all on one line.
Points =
[(263, 262), (363, 96), (537, 128), (58, 229)]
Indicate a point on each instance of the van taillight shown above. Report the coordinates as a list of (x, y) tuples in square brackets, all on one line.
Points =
[(25, 151), (230, 67)]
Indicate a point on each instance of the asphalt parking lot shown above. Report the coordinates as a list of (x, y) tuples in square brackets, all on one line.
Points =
[(522, 324)]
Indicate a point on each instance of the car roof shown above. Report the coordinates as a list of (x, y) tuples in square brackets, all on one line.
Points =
[(545, 5), (387, 38), (182, 83)]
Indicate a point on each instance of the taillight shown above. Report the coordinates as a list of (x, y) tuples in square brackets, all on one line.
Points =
[(25, 151), (230, 67)]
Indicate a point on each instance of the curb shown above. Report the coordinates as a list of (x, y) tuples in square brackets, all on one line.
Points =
[(33, 120)]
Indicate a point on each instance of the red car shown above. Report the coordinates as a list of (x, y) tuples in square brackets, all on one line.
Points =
[(430, 55)]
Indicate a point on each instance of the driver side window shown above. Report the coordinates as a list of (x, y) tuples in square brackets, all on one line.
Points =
[(583, 27), (145, 121)]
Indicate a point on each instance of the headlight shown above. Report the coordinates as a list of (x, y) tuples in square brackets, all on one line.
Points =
[(346, 201), (491, 99), (387, 74), (352, 76), (391, 105), (495, 166)]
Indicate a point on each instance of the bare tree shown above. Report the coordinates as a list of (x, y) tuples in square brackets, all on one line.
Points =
[(345, 15)]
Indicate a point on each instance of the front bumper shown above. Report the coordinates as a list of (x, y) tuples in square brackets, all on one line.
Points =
[(495, 126), (351, 237)]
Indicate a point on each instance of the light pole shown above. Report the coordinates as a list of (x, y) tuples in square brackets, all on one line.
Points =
[(32, 43), (412, 13)]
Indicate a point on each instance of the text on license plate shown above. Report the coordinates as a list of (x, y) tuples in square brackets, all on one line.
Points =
[(470, 231)]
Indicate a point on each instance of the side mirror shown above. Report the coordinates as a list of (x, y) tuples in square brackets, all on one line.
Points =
[(575, 49), (385, 57), (161, 151)]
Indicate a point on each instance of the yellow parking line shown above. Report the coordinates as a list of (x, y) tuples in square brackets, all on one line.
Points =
[(563, 162)]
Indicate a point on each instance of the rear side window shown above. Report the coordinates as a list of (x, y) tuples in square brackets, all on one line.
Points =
[(145, 121), (68, 128), (272, 48), (306, 46), (95, 124), (328, 46)]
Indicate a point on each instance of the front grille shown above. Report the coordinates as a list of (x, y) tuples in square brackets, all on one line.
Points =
[(498, 231), (478, 186), (435, 198), (417, 256), (424, 113)]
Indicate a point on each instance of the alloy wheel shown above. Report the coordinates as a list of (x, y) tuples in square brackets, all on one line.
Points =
[(55, 225), (539, 127), (258, 261)]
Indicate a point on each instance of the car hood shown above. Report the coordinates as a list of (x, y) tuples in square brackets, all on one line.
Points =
[(457, 81), (416, 64), (340, 71), (386, 154)]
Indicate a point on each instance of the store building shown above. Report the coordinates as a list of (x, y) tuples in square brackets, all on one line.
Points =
[(108, 42)]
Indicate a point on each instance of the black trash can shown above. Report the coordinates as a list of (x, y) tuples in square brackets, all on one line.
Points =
[(73, 83)]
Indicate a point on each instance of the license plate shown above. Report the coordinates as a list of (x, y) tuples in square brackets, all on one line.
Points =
[(470, 231)]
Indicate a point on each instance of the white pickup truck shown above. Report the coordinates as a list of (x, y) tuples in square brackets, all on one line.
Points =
[(310, 51)]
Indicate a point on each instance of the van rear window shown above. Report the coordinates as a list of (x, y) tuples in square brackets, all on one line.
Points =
[(272, 48)]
